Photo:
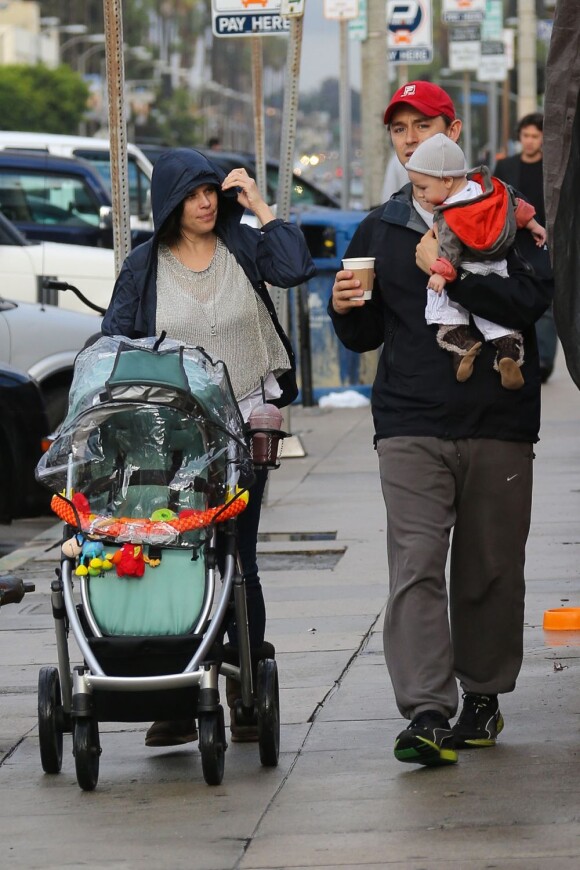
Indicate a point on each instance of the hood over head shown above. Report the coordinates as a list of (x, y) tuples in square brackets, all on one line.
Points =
[(176, 173)]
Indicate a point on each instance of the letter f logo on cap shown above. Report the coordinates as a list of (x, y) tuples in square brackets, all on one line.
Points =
[(409, 91)]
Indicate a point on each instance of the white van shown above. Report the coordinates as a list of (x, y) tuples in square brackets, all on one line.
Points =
[(97, 152)]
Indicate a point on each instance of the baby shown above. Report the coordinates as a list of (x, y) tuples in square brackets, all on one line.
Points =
[(476, 217)]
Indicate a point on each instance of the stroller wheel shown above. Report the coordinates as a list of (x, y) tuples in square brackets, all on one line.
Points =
[(86, 750), (50, 720), (268, 706), (212, 745)]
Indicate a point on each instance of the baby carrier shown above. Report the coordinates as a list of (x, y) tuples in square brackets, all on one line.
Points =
[(149, 471)]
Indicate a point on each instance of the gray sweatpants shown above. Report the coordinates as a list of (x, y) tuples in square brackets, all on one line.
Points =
[(482, 490)]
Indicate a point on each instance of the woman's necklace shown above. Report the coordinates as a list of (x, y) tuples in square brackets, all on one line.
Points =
[(210, 273)]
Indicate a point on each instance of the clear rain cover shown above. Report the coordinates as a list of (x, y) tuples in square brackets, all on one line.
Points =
[(148, 434)]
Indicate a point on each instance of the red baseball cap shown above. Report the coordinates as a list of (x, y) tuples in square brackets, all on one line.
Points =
[(426, 97)]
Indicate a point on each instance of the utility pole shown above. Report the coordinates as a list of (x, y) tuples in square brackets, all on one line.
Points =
[(527, 73), (375, 92)]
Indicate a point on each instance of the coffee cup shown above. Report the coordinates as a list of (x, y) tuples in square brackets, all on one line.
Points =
[(362, 268)]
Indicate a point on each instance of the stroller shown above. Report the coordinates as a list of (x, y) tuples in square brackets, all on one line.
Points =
[(149, 471)]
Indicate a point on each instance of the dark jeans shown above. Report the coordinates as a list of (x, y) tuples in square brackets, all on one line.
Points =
[(247, 533)]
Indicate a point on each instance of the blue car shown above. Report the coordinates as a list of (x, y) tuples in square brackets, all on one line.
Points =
[(57, 199)]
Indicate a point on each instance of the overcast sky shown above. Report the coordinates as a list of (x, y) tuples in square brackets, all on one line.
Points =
[(319, 58)]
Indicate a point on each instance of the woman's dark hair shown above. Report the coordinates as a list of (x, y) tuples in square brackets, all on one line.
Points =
[(171, 229)]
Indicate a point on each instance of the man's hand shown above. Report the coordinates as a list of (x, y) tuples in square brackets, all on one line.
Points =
[(346, 292), (426, 251)]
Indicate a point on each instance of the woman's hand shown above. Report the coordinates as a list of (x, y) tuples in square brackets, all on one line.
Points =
[(347, 292), (248, 194), (426, 251)]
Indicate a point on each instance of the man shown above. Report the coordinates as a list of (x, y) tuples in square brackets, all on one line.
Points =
[(451, 456), (524, 172)]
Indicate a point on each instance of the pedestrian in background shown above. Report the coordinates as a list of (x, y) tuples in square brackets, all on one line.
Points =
[(525, 173), (452, 457)]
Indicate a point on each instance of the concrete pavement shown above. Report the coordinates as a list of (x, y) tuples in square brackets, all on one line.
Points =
[(338, 798)]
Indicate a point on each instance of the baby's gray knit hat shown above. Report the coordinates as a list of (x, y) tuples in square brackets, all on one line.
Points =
[(439, 156)]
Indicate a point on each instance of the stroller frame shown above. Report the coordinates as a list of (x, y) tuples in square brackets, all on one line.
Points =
[(76, 699)]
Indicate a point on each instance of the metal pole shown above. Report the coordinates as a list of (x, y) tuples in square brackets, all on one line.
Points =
[(467, 117), (289, 112), (492, 121), (117, 130), (258, 94), (505, 115), (305, 348), (402, 74), (345, 115), (527, 74), (292, 446), (375, 90)]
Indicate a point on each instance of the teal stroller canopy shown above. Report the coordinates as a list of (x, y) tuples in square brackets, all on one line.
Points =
[(153, 435)]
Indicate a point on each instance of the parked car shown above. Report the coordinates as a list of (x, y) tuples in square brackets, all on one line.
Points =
[(43, 341), (97, 152), (23, 427), (304, 193), (55, 199), (26, 269)]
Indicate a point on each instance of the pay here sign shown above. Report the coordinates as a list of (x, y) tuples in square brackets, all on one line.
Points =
[(248, 18)]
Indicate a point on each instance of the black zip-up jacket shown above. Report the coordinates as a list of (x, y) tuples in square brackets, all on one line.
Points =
[(415, 392), (276, 253)]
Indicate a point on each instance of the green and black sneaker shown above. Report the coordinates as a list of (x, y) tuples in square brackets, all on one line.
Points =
[(427, 740), (479, 722)]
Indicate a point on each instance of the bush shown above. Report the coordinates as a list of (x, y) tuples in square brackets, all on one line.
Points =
[(43, 100)]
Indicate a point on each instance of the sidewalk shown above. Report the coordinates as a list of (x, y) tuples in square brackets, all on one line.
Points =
[(338, 798)]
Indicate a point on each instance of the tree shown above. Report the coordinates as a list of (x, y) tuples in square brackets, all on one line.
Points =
[(38, 99), (175, 124)]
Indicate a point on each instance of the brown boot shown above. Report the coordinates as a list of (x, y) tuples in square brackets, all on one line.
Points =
[(243, 732), (175, 732), (509, 359), (462, 346)]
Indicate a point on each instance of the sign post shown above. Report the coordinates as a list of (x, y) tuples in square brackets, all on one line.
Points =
[(343, 11), (117, 130)]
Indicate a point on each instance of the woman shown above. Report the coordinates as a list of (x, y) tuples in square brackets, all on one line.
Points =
[(200, 278)]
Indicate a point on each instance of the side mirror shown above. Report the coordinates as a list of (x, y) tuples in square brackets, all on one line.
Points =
[(105, 217)]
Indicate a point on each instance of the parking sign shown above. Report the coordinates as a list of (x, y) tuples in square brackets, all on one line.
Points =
[(409, 31), (248, 18)]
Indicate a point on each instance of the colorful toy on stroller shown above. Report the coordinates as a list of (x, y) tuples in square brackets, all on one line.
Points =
[(149, 470)]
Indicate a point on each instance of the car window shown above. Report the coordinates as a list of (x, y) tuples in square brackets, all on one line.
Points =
[(302, 192), (44, 198), (138, 181)]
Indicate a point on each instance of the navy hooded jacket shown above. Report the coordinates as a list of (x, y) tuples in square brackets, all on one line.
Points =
[(276, 253)]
